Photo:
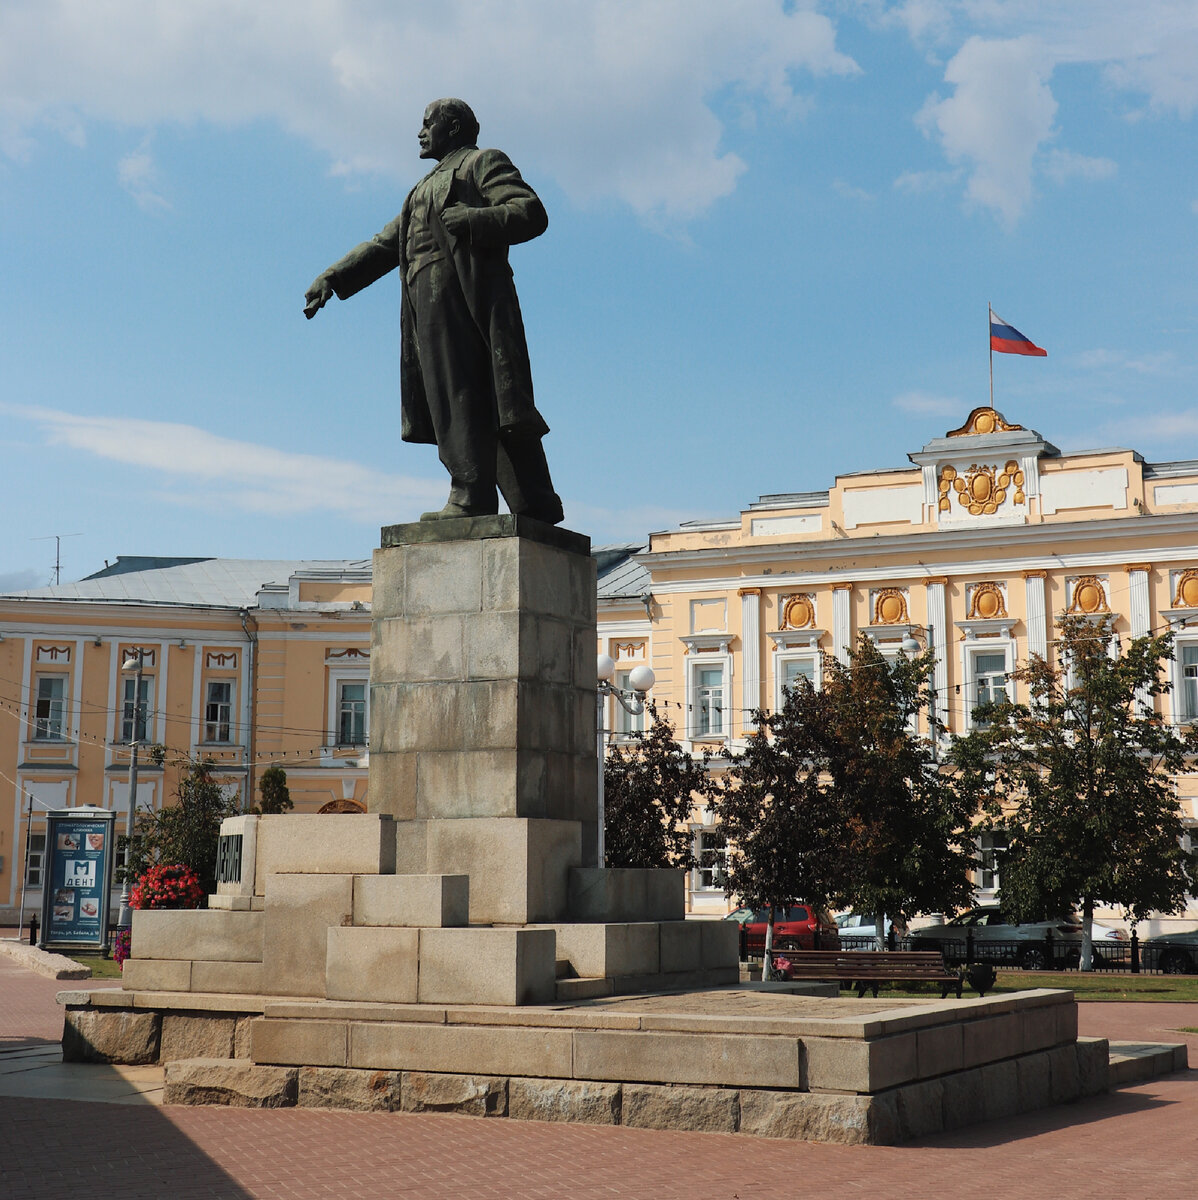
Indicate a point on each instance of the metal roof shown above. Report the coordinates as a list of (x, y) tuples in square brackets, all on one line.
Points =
[(619, 572), (236, 582), (204, 583)]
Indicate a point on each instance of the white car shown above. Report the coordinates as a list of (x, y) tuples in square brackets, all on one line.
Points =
[(997, 939), (860, 925)]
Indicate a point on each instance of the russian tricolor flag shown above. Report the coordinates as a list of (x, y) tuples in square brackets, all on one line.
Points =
[(1006, 339)]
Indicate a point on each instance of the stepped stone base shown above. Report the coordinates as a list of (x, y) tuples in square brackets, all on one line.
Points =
[(344, 925), (760, 1061)]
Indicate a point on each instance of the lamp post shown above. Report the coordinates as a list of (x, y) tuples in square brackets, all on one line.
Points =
[(632, 701), (132, 663)]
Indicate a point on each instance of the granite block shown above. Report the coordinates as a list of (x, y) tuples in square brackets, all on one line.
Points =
[(710, 1059), (487, 966), (210, 934), (372, 963), (228, 1081), (434, 900)]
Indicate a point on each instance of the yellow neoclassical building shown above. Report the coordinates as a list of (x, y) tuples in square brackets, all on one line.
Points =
[(246, 662), (974, 549)]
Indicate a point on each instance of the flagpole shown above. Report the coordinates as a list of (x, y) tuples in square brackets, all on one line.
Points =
[(989, 323)]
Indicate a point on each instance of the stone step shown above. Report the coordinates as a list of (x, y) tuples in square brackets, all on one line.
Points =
[(582, 989), (1137, 1062)]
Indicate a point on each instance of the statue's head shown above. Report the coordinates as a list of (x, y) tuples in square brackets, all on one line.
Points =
[(448, 124)]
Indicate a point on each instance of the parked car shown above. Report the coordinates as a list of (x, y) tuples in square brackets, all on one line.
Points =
[(794, 927), (999, 939), (858, 928), (1172, 953)]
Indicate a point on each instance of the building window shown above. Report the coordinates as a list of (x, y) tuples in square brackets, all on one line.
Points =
[(990, 850), (707, 703), (351, 714), (1188, 700), (50, 707), (134, 729), (989, 679), (218, 711), (711, 850), (790, 670), (626, 723), (35, 861)]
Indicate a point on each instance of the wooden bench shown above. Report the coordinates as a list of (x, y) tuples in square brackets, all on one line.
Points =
[(866, 969)]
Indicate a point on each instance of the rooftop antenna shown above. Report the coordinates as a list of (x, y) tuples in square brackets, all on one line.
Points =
[(57, 550)]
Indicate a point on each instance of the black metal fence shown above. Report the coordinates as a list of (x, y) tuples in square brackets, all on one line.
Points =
[(1050, 953)]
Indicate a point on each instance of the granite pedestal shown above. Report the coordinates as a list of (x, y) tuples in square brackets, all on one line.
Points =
[(472, 878)]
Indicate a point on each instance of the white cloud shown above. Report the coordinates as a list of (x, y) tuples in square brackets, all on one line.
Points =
[(851, 192), (918, 183), (611, 98), (1099, 359), (204, 469), (1158, 427), (1150, 46), (1000, 113), (631, 524), (1002, 109), (138, 175), (1063, 165), (20, 581), (924, 20), (927, 404)]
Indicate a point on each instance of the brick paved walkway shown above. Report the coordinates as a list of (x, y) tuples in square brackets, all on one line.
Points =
[(1139, 1143)]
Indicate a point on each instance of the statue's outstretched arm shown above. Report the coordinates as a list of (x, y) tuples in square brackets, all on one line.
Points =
[(358, 269)]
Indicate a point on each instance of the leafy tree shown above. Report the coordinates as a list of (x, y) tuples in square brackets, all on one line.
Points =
[(908, 842), (836, 800), (274, 795), (1081, 777), (649, 789), (185, 832)]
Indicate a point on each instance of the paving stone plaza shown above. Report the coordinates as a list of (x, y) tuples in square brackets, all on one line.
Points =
[(86, 1128)]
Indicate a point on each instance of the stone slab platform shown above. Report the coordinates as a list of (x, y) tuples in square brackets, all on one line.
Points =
[(757, 1060)]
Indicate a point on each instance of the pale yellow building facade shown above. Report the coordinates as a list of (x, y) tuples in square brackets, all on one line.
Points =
[(975, 549), (247, 663)]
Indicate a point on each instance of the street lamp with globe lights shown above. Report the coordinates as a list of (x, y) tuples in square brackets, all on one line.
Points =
[(132, 663), (632, 700)]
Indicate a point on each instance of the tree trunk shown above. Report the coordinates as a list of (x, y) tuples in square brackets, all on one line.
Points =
[(879, 931), (1087, 957), (767, 960)]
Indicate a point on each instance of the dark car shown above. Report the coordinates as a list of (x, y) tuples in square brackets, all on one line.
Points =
[(997, 938), (1172, 953), (795, 927)]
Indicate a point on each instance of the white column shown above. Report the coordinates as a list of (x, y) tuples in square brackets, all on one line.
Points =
[(1140, 620), (938, 641), (1037, 620), (1137, 593), (842, 633), (750, 643)]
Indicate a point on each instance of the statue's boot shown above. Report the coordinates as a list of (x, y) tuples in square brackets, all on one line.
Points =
[(466, 500), (523, 477)]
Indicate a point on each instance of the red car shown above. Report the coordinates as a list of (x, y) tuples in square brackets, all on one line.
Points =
[(795, 927)]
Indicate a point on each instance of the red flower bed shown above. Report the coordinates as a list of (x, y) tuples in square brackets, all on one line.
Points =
[(167, 887)]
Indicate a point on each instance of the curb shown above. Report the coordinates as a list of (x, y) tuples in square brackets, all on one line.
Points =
[(53, 966)]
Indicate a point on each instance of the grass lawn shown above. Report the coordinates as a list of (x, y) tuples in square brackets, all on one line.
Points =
[(102, 968), (1095, 985)]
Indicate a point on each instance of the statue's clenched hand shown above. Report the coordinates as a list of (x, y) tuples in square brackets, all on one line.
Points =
[(318, 295), (456, 219)]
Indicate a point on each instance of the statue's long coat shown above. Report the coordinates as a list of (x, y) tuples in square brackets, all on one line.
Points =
[(504, 210)]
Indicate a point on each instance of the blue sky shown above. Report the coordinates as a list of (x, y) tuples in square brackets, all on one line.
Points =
[(774, 230)]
